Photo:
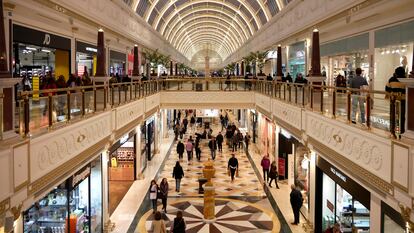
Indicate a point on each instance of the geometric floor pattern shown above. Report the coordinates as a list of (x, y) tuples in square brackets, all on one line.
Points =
[(232, 216), (245, 185)]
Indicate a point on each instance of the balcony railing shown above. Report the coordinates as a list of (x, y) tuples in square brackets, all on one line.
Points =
[(40, 111)]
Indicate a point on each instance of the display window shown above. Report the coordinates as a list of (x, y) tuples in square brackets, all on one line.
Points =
[(343, 200), (74, 206), (117, 62), (36, 53), (143, 147), (253, 126), (388, 58), (344, 65), (296, 59), (150, 137), (302, 164), (85, 58)]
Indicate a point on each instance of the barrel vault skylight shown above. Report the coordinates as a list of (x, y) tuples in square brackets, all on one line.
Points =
[(193, 25)]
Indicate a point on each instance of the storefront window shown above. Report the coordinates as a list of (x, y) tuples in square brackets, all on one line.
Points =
[(144, 157), (117, 62), (79, 207), (296, 60), (302, 174), (96, 195), (49, 214), (33, 60), (75, 206), (339, 206), (387, 59)]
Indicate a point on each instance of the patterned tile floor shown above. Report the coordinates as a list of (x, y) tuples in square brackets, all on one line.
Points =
[(231, 216), (246, 184)]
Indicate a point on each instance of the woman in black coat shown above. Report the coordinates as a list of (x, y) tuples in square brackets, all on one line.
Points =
[(273, 174), (178, 173)]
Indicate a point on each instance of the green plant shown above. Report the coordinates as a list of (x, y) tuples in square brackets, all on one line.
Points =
[(261, 59), (155, 59), (230, 68)]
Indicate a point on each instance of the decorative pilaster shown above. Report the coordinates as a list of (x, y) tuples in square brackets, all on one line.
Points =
[(315, 73), (135, 69), (100, 57), (279, 73)]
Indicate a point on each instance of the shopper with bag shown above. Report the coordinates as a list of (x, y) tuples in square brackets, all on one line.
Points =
[(233, 166), (153, 195)]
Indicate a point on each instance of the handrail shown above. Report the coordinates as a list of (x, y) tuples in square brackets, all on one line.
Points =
[(63, 105)]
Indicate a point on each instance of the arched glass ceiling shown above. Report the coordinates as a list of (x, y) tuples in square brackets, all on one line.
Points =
[(219, 25)]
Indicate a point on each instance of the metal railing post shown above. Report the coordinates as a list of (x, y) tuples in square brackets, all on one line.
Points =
[(68, 103), (321, 99), (368, 112), (50, 109), (392, 116), (94, 100), (26, 115), (334, 103), (83, 101), (348, 106), (311, 97), (105, 96)]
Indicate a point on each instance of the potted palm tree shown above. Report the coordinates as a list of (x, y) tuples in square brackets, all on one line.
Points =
[(249, 59), (155, 59), (260, 61)]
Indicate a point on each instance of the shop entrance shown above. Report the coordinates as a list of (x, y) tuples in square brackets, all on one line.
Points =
[(121, 169), (342, 201)]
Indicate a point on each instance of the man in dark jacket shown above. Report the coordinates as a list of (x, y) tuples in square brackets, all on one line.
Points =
[(395, 87), (178, 174), (220, 140), (296, 202), (212, 144), (180, 149), (233, 166)]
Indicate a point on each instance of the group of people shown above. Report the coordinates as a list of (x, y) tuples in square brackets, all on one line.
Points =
[(269, 171)]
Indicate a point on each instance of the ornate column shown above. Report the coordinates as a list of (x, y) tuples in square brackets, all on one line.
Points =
[(176, 69), (237, 69), (100, 75), (315, 75), (242, 69), (279, 73), (209, 193), (135, 69), (171, 67)]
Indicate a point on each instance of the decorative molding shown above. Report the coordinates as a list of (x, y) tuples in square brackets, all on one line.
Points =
[(16, 211), (151, 102), (207, 98), (264, 112), (294, 131), (4, 206), (49, 180), (375, 182), (368, 150), (264, 102), (128, 113), (400, 165), (49, 151), (290, 114)]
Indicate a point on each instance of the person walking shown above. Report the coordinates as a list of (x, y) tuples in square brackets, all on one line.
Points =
[(164, 193), (233, 166), (265, 163), (180, 149), (178, 225), (185, 123), (220, 140), (296, 202), (153, 195), (358, 82), (240, 139), (178, 174), (234, 141), (158, 225), (212, 144), (273, 174), (247, 141), (189, 148), (198, 150)]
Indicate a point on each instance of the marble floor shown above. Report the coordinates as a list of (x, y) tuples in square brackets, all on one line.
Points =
[(231, 216), (246, 184)]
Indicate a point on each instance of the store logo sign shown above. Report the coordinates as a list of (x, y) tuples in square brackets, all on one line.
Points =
[(46, 40), (338, 174)]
